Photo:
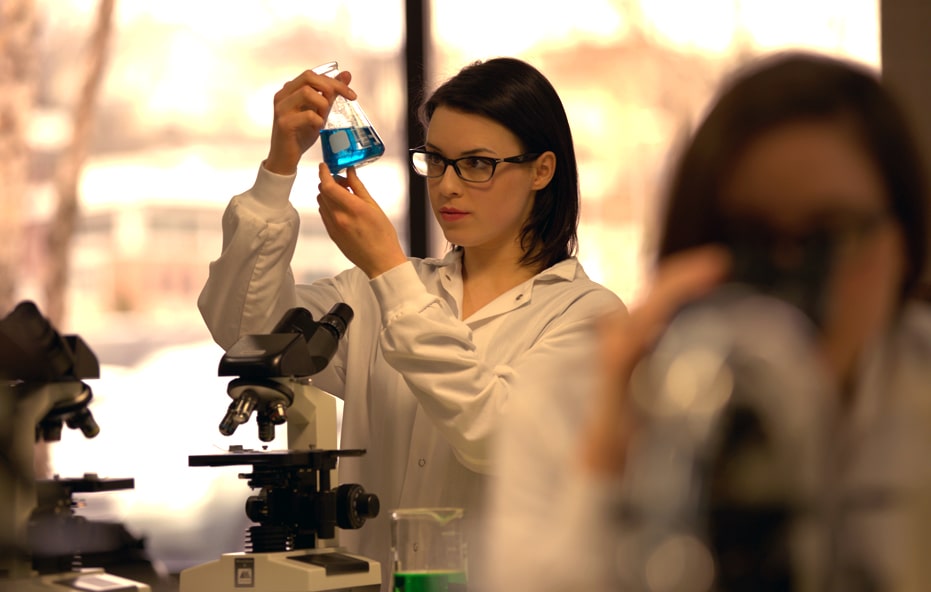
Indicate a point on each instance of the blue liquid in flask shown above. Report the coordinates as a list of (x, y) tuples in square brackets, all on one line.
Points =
[(350, 146)]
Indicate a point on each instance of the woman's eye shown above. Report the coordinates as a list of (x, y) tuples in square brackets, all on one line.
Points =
[(476, 163), (433, 159)]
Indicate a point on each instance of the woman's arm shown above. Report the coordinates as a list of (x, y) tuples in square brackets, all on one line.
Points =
[(250, 285), (459, 386)]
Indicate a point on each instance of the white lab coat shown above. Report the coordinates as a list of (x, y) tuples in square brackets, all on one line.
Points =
[(424, 391), (880, 480)]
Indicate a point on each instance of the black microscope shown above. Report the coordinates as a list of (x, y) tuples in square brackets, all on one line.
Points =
[(293, 544)]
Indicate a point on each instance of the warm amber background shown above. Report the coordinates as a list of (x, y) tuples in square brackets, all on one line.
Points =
[(182, 123)]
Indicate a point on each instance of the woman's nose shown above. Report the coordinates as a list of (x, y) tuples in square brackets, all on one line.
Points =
[(450, 183)]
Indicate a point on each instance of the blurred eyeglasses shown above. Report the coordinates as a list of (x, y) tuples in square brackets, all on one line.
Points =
[(474, 169), (838, 235)]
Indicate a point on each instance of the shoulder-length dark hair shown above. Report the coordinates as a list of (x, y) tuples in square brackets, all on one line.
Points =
[(516, 95), (784, 88)]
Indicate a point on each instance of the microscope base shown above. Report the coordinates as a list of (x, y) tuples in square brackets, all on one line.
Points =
[(287, 571), (86, 579)]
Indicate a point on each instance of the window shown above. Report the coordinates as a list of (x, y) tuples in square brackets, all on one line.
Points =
[(633, 75)]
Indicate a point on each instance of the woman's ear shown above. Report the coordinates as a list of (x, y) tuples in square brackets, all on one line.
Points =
[(543, 170)]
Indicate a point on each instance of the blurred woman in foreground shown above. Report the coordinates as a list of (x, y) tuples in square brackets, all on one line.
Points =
[(803, 182)]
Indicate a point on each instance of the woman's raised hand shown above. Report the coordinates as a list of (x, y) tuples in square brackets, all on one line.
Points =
[(301, 109), (626, 338)]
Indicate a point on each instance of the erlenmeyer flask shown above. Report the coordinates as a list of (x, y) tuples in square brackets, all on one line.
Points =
[(347, 138)]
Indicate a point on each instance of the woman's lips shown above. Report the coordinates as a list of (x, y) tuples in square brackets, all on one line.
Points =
[(452, 215)]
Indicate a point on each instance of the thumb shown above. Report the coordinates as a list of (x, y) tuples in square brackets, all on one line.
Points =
[(345, 78), (355, 184)]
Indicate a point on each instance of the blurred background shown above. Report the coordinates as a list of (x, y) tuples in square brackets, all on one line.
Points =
[(125, 127)]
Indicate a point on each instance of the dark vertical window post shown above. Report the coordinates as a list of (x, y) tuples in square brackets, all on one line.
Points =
[(904, 43), (415, 59)]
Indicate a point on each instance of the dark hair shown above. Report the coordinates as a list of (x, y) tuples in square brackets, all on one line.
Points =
[(783, 88), (516, 95)]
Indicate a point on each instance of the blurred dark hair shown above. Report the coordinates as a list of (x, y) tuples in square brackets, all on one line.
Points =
[(784, 88), (516, 95)]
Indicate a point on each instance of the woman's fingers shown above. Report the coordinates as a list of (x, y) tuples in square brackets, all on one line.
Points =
[(356, 224), (681, 278), (356, 186), (301, 108), (330, 184), (345, 77), (351, 185), (625, 339), (310, 93), (325, 85)]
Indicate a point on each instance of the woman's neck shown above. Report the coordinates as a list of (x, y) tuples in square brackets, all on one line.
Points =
[(488, 274)]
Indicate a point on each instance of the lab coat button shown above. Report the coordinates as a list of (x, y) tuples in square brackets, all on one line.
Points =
[(422, 462)]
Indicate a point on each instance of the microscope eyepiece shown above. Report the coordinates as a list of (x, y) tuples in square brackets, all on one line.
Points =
[(338, 319), (299, 320), (296, 320)]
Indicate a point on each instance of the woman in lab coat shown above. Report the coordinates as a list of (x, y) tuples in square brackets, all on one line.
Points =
[(427, 366)]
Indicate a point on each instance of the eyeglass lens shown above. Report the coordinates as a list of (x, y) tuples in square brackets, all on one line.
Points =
[(469, 168)]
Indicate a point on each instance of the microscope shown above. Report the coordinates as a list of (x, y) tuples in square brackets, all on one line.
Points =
[(729, 483), (293, 546), (42, 388)]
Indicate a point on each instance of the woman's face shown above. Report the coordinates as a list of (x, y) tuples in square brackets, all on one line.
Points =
[(487, 215), (812, 176)]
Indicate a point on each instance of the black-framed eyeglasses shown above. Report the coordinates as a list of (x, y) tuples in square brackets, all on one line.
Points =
[(474, 169)]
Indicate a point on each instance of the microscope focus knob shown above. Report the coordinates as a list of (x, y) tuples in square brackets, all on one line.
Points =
[(354, 506)]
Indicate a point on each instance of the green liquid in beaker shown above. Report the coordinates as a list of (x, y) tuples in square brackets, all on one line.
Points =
[(430, 581)]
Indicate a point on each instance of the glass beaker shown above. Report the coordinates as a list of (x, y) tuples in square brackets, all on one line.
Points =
[(347, 138), (428, 549)]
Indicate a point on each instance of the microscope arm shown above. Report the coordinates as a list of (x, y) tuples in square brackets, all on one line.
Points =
[(312, 417), (29, 403)]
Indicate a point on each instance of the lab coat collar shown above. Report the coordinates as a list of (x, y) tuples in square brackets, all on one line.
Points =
[(567, 269), (520, 295)]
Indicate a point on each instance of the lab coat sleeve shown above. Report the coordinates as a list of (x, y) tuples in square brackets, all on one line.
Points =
[(464, 394), (250, 285)]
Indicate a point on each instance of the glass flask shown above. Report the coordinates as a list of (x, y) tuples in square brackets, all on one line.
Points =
[(428, 550), (347, 138)]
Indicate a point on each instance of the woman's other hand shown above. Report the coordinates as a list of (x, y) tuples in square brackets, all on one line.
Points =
[(626, 338), (301, 109), (357, 224)]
